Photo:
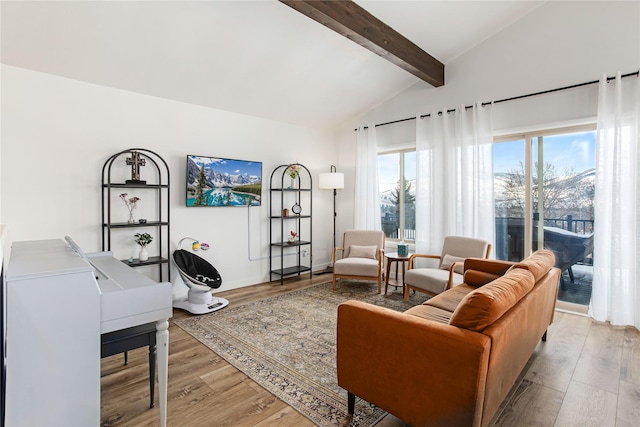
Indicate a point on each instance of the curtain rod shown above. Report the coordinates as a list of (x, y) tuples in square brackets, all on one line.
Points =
[(544, 92)]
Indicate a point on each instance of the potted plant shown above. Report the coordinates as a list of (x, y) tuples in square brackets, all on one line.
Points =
[(143, 239)]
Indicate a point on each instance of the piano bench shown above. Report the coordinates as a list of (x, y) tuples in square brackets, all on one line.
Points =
[(124, 340)]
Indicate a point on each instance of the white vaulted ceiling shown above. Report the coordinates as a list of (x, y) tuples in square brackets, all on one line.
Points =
[(259, 58)]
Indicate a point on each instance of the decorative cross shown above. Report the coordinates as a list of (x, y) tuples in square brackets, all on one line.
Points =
[(135, 162)]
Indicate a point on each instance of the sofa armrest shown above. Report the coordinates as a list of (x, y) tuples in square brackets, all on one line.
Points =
[(480, 271), (416, 369), (493, 266)]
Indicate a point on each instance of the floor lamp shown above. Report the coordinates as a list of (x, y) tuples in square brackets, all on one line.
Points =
[(332, 180)]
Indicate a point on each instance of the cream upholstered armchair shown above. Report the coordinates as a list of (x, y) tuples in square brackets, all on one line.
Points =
[(433, 281), (362, 256)]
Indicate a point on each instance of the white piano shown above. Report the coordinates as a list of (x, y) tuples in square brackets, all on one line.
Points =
[(58, 301)]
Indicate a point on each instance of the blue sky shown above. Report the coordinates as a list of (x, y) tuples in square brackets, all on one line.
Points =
[(230, 166), (577, 150), (389, 169)]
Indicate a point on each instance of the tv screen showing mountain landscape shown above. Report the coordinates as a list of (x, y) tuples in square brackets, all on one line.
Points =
[(214, 181)]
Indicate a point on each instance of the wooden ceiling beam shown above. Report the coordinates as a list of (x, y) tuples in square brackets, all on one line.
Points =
[(353, 22)]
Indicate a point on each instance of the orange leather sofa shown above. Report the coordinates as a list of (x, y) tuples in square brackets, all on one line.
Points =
[(452, 360)]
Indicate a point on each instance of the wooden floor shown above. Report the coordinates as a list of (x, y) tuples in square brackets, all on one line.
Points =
[(586, 374)]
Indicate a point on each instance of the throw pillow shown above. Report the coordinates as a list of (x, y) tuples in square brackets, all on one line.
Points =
[(486, 304), (356, 251), (447, 260)]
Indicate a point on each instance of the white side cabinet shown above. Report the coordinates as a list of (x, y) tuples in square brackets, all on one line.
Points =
[(52, 358)]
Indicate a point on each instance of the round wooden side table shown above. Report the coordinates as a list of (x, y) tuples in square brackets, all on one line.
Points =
[(391, 258)]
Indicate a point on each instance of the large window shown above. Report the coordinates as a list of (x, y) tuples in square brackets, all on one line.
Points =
[(544, 188), (397, 183)]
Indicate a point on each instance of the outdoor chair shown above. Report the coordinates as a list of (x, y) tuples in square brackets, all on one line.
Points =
[(568, 247), (362, 256), (449, 271)]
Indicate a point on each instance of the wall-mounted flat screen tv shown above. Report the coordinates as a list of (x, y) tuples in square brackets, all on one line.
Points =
[(215, 181)]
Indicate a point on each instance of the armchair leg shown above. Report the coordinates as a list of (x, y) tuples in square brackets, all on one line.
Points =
[(544, 337), (334, 282), (406, 292), (351, 402)]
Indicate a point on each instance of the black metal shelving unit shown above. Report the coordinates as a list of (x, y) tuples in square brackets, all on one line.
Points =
[(156, 171), (285, 192)]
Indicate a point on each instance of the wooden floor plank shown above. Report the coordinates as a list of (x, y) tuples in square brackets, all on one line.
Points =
[(628, 414), (600, 361), (630, 364), (587, 406), (532, 405), (560, 353), (287, 417)]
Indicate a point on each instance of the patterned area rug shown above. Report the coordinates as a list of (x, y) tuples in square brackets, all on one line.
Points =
[(287, 344)]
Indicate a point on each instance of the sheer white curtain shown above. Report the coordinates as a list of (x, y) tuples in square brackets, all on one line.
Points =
[(454, 177), (616, 291), (367, 209)]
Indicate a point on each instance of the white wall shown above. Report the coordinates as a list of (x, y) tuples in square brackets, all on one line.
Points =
[(57, 133), (558, 44)]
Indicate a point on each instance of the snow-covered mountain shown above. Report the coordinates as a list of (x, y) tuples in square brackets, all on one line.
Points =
[(216, 179)]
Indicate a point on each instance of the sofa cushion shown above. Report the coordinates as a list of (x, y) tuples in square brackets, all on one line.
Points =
[(538, 263), (356, 267), (430, 313), (432, 280), (450, 299), (488, 303), (357, 251)]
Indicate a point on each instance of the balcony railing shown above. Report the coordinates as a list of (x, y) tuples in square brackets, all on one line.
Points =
[(512, 226), (391, 228)]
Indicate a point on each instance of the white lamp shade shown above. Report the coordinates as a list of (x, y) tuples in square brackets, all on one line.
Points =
[(331, 180)]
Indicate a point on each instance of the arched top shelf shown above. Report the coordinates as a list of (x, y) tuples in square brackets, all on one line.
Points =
[(291, 177), (155, 174)]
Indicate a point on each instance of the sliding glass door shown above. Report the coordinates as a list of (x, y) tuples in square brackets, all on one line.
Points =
[(544, 188)]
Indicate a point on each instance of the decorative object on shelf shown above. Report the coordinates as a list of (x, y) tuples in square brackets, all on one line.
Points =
[(285, 212), (143, 239), (294, 171), (296, 209), (135, 161), (131, 204), (333, 180), (292, 237), (142, 221)]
